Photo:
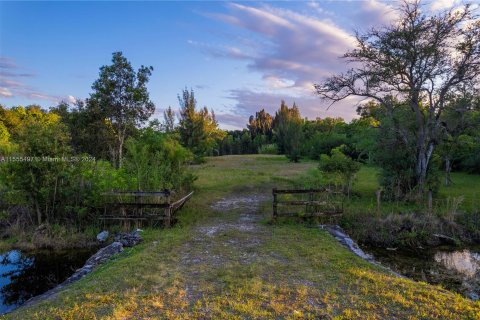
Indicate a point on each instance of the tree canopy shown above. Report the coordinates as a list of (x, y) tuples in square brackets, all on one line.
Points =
[(121, 96)]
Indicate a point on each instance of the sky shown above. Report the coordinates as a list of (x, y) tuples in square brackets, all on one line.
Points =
[(238, 57)]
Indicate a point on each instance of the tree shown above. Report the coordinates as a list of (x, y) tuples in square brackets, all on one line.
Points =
[(90, 132), (198, 130), (283, 117), (339, 166), (169, 120), (121, 96), (293, 141), (261, 124), (455, 142), (42, 142), (420, 60)]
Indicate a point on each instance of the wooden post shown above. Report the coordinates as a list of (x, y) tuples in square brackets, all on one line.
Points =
[(168, 216), (311, 198), (275, 213)]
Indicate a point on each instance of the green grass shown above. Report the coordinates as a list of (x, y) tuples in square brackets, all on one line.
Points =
[(283, 271), (464, 188)]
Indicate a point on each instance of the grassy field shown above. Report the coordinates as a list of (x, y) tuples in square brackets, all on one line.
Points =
[(224, 260), (464, 188)]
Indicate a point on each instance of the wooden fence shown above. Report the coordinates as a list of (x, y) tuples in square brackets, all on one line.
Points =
[(151, 207), (319, 202)]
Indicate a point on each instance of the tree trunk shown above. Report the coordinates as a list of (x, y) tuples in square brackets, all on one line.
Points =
[(120, 154), (424, 154), (121, 140)]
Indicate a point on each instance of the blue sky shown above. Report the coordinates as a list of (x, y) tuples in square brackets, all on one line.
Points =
[(238, 57)]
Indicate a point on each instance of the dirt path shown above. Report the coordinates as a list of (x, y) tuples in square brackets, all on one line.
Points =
[(229, 239)]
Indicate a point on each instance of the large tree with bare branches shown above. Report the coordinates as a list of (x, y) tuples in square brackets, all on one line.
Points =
[(422, 60)]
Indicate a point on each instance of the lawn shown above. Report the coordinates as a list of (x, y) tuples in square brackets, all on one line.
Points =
[(224, 260)]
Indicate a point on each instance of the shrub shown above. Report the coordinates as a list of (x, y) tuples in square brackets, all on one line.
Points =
[(268, 149), (339, 168)]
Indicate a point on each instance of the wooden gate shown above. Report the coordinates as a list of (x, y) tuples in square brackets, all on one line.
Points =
[(316, 202), (151, 207)]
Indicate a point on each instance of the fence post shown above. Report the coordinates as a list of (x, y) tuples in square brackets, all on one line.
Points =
[(168, 216), (275, 213)]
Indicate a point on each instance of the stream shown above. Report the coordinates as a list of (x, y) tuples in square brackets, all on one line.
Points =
[(25, 275), (455, 269)]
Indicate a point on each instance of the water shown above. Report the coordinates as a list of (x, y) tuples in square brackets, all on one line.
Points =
[(25, 275), (454, 269)]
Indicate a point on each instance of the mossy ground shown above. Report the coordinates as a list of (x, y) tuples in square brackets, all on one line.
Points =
[(224, 260)]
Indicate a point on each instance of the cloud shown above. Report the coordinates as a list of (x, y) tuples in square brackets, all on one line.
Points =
[(12, 85), (439, 5), (374, 13), (4, 92), (230, 121), (315, 5), (296, 47), (71, 99), (292, 52), (9, 69), (7, 63)]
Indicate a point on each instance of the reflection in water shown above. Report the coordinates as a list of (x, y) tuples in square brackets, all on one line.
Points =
[(23, 276), (460, 261), (456, 270)]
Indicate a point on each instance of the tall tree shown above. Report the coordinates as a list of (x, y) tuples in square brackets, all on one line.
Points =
[(121, 95), (198, 130), (169, 120), (281, 124), (261, 124), (420, 60)]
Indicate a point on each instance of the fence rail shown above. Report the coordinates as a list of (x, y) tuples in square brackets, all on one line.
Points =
[(329, 204), (143, 206)]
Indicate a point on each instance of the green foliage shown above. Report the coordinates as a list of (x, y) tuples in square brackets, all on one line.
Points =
[(268, 149), (90, 132), (198, 129), (261, 125), (287, 127), (394, 149), (362, 136), (339, 168), (156, 161), (293, 140), (169, 120), (121, 96), (41, 143), (56, 185), (323, 143)]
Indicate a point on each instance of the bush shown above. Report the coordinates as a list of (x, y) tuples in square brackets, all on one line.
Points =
[(156, 161), (323, 143), (268, 149), (339, 168)]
